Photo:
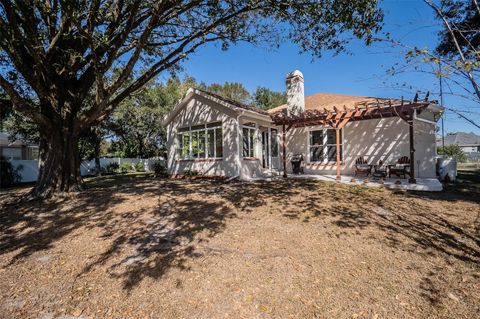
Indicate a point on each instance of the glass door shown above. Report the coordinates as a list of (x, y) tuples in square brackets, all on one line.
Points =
[(265, 149), (274, 150), (270, 153)]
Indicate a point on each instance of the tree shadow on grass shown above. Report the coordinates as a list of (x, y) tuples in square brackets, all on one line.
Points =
[(147, 242), (400, 220), (28, 227)]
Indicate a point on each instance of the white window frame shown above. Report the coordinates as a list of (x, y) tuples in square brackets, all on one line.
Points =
[(205, 129), (325, 145), (254, 139)]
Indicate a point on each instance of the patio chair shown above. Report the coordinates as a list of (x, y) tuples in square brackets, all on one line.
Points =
[(402, 168), (362, 167), (380, 170)]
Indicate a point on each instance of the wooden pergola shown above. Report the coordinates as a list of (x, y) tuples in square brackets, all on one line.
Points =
[(338, 118)]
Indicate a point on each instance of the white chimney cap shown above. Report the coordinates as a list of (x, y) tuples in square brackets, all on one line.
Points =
[(295, 74)]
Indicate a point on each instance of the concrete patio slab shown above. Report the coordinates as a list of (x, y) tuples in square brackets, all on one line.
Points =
[(423, 184)]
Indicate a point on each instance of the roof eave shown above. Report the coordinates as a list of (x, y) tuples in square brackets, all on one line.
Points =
[(192, 91)]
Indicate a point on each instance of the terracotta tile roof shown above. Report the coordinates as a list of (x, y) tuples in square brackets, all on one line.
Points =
[(319, 101)]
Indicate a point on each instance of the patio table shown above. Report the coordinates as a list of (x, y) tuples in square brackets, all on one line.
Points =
[(379, 173)]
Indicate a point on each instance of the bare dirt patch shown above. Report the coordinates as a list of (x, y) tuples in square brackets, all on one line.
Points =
[(137, 247)]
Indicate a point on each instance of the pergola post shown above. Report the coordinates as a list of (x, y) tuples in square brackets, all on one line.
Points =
[(337, 138), (412, 179), (284, 147)]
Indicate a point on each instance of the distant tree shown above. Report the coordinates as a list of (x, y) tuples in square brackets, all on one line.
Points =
[(265, 98), (90, 146), (9, 175), (463, 35), (460, 38), (5, 108), (453, 150), (58, 58), (136, 124), (456, 57), (230, 90)]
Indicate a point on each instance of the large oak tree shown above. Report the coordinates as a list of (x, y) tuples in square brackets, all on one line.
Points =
[(66, 64)]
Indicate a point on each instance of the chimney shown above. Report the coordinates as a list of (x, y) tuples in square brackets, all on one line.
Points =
[(295, 93)]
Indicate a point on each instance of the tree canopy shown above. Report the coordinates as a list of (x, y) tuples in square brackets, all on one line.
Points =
[(66, 65), (136, 123), (265, 98), (464, 16)]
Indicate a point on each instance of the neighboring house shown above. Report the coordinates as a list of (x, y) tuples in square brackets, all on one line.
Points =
[(215, 136), (18, 149), (468, 142)]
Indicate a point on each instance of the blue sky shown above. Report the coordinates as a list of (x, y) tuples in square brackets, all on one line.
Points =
[(361, 72)]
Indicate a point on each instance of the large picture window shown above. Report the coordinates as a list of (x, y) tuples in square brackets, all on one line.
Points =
[(323, 145), (200, 141), (248, 141)]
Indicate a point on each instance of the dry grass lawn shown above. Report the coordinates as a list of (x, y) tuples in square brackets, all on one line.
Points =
[(138, 247)]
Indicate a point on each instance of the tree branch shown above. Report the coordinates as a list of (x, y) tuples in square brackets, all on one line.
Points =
[(23, 106)]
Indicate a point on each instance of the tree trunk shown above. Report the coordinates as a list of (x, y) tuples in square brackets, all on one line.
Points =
[(59, 163)]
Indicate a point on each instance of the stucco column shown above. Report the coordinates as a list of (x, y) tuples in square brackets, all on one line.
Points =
[(284, 147), (337, 146), (239, 148)]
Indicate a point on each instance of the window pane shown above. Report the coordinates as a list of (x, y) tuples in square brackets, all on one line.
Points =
[(331, 136), (316, 153), (198, 127), (332, 153), (201, 144), (274, 143), (35, 153), (316, 137), (12, 153), (214, 124), (245, 142), (219, 142), (211, 143), (186, 145), (179, 144), (194, 144), (252, 143)]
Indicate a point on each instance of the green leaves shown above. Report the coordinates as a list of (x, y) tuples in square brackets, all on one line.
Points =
[(454, 151), (265, 98)]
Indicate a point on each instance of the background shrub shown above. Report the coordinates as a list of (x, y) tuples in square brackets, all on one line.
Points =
[(9, 176), (126, 167), (454, 151), (112, 167), (139, 167), (159, 169)]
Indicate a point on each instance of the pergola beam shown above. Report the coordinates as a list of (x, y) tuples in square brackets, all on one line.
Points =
[(339, 118)]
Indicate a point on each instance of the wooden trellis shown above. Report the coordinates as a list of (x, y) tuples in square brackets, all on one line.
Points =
[(338, 118)]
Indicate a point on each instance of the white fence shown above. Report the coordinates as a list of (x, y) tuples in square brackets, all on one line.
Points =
[(29, 172)]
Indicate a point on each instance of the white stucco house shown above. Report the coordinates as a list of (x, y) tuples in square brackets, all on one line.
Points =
[(212, 135)]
